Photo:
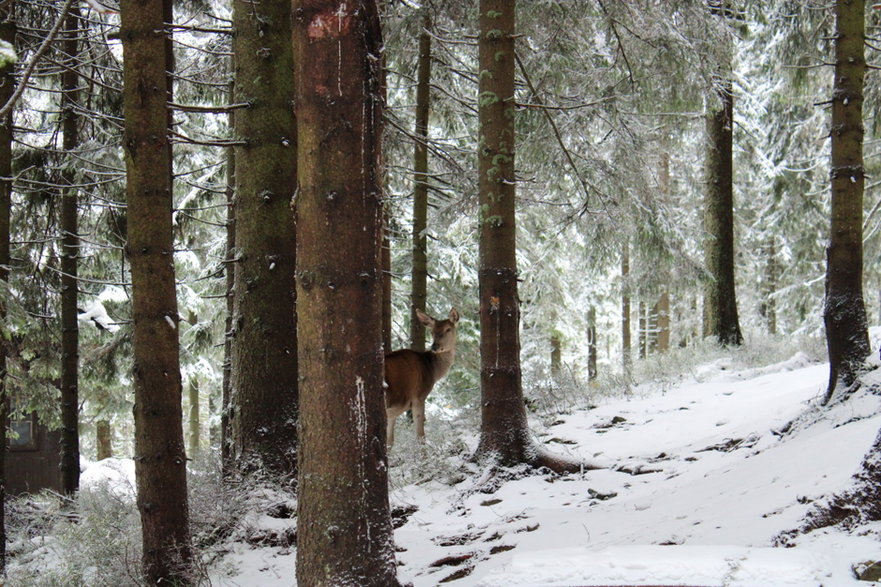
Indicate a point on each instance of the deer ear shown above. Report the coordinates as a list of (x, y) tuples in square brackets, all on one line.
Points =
[(454, 315), (425, 318)]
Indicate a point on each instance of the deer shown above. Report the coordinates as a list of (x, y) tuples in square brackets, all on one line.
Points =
[(410, 375)]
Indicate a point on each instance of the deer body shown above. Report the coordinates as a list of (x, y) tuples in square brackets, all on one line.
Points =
[(411, 375)]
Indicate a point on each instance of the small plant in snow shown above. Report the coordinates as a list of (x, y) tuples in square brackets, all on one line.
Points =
[(94, 542)]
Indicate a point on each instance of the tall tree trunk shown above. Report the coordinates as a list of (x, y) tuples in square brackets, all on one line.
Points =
[(642, 328), (556, 357), (386, 260), (844, 311), (768, 308), (419, 280), (263, 380), (70, 244), (194, 420), (7, 84), (386, 213), (720, 305), (103, 440), (160, 458), (344, 533), (504, 433), (662, 322), (226, 464), (591, 343), (626, 356)]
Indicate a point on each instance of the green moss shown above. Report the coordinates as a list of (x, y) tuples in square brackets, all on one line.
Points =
[(487, 99)]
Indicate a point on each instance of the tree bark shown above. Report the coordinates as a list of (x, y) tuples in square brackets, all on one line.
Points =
[(504, 433), (70, 442), (263, 384), (661, 313), (844, 310), (626, 344), (419, 279), (344, 533), (194, 420), (160, 458), (103, 440), (643, 328), (556, 357), (591, 343), (720, 305), (768, 308), (226, 464), (7, 85)]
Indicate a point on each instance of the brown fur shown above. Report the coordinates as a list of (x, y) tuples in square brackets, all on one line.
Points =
[(411, 375)]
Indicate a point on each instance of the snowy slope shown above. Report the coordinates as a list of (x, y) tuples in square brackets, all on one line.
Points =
[(718, 479), (696, 482)]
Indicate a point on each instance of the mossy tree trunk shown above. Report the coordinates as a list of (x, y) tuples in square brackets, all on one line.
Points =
[(344, 533), (70, 245), (419, 278), (720, 304), (504, 433), (844, 311), (160, 457), (7, 85), (263, 378)]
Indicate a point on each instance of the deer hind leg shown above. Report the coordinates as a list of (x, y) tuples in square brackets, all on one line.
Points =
[(391, 415), (418, 408)]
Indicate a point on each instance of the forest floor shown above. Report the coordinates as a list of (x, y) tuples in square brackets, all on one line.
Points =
[(696, 481)]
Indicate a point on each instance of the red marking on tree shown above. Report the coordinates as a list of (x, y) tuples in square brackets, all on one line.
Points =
[(330, 25)]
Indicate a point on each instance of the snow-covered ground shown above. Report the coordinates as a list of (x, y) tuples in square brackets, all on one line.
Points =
[(696, 482), (699, 481)]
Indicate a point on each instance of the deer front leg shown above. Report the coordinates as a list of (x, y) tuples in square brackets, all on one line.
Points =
[(418, 408)]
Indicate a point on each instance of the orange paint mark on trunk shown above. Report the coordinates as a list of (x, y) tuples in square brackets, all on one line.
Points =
[(330, 25)]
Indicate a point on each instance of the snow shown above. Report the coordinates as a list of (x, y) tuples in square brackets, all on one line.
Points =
[(696, 483), (720, 478), (94, 312)]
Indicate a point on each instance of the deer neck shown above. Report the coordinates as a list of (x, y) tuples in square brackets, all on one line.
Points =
[(441, 362)]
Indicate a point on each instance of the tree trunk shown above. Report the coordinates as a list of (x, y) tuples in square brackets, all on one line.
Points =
[(103, 440), (70, 441), (344, 533), (720, 306), (556, 357), (160, 458), (7, 85), (504, 433), (419, 293), (662, 322), (226, 463), (194, 421), (591, 343), (263, 384), (386, 257), (626, 357), (768, 308), (643, 329), (844, 311)]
